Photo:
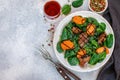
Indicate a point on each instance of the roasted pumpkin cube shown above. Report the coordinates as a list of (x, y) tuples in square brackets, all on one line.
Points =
[(67, 44)]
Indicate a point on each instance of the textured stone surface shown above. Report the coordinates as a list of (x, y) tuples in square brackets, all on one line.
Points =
[(22, 28)]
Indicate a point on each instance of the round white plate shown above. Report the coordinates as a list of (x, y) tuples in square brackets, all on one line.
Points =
[(58, 32)]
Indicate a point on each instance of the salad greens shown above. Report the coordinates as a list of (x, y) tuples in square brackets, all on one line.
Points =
[(80, 46), (69, 53), (109, 41), (97, 58), (59, 49), (73, 60)]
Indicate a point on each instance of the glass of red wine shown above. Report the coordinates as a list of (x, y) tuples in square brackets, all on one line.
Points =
[(52, 10)]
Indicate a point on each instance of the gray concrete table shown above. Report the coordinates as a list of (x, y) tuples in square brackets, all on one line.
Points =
[(22, 28)]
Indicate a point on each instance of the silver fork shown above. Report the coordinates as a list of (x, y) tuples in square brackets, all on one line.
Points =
[(47, 56), (62, 70)]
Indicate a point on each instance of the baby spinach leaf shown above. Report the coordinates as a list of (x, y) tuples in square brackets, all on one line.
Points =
[(66, 9), (102, 26), (69, 34), (88, 48), (94, 59), (89, 20), (88, 45), (102, 56), (69, 53), (82, 26), (73, 60), (97, 58), (94, 43), (89, 51), (85, 24), (109, 40), (104, 43), (93, 20), (64, 34), (79, 26), (84, 29), (59, 49), (75, 37), (77, 47), (99, 31), (69, 25), (77, 3)]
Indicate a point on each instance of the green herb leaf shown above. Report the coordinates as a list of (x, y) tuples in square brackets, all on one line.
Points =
[(99, 31), (102, 26), (94, 59), (73, 61), (66, 9), (64, 34), (77, 47), (77, 3), (59, 49), (93, 20), (94, 43), (109, 41), (69, 53), (102, 56), (69, 25)]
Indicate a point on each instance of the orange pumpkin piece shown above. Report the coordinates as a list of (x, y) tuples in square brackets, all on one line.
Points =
[(100, 50), (91, 29), (107, 50), (67, 44), (78, 20), (78, 56), (64, 47), (81, 52)]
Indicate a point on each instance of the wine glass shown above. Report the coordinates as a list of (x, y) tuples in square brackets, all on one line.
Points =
[(52, 11)]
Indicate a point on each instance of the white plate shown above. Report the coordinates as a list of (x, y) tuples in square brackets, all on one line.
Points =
[(58, 32)]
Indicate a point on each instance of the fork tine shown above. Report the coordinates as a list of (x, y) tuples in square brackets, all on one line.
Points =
[(40, 50), (47, 53), (43, 53)]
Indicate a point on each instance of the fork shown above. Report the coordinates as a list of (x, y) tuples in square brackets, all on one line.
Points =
[(62, 70), (47, 56)]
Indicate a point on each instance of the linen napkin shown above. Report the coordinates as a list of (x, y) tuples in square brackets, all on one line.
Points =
[(111, 71)]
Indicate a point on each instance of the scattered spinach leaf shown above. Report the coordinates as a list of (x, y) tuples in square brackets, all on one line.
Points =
[(77, 3), (66, 9)]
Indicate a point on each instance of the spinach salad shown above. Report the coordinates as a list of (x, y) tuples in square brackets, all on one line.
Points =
[(84, 41)]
